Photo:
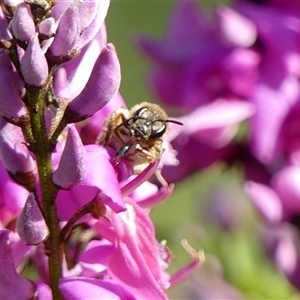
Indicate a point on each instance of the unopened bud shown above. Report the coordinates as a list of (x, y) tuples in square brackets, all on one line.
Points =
[(34, 65), (72, 167), (11, 105), (22, 24), (31, 225), (15, 155), (67, 33), (101, 87)]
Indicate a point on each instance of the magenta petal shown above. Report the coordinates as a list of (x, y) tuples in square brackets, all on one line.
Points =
[(272, 107), (12, 285), (162, 195), (136, 261), (286, 183), (187, 23), (44, 291), (266, 201), (139, 179), (101, 87), (215, 123), (81, 288), (72, 168), (241, 71), (13, 195), (237, 29), (282, 243), (101, 178), (34, 65), (94, 258)]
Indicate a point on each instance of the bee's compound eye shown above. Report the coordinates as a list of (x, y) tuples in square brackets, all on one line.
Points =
[(139, 113), (158, 129)]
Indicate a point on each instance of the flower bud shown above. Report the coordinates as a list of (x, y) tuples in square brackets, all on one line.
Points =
[(92, 14), (15, 155), (47, 27), (4, 33), (67, 33), (11, 105), (31, 225), (34, 65), (72, 168), (101, 87), (22, 24)]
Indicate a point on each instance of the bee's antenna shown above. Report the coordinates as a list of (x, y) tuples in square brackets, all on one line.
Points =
[(174, 121)]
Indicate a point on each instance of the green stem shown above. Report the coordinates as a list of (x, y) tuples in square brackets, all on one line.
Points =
[(48, 190)]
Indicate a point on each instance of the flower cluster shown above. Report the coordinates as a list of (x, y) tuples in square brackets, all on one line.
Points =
[(66, 210), (242, 65)]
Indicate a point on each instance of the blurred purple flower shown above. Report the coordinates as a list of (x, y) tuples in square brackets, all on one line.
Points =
[(282, 244), (280, 201), (246, 58), (208, 129), (194, 66)]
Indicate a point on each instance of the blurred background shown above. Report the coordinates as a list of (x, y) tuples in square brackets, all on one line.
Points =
[(209, 208)]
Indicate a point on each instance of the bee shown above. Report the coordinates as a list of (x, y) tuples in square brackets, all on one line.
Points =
[(137, 134)]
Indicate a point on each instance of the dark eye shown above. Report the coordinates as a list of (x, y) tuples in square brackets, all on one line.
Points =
[(158, 129), (139, 113)]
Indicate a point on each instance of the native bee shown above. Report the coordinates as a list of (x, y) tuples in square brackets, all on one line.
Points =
[(137, 134)]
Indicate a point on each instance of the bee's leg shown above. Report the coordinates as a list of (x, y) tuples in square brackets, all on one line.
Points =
[(161, 179), (151, 157)]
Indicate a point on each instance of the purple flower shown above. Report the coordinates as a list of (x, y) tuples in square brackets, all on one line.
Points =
[(57, 70)]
